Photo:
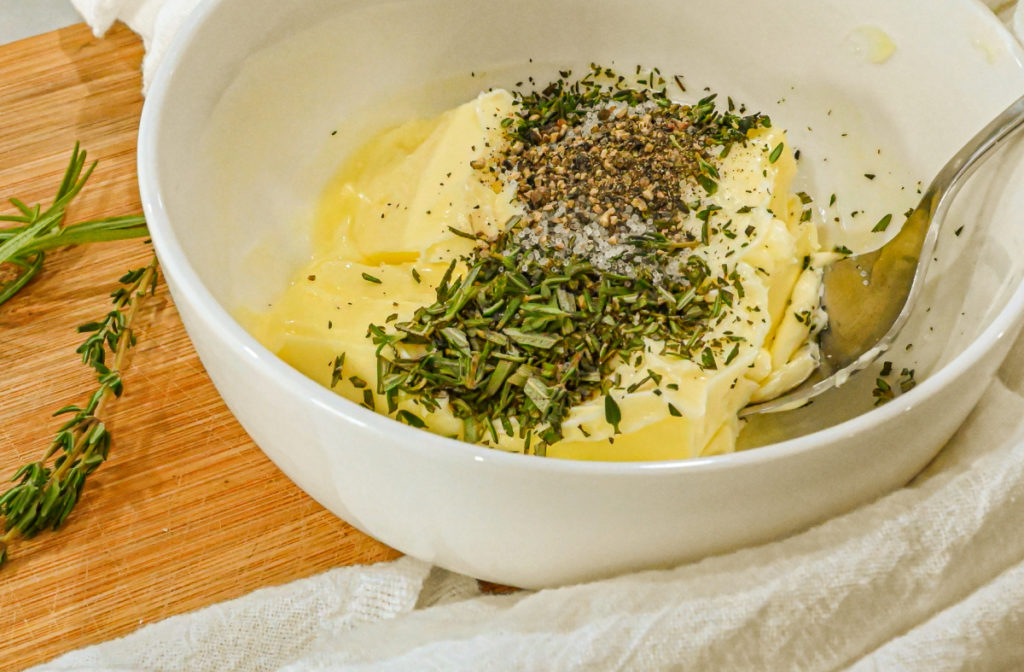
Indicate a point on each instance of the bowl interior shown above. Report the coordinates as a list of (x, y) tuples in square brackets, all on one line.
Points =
[(266, 98)]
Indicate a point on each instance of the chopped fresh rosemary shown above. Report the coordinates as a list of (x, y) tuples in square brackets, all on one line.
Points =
[(882, 224), (522, 344), (336, 369)]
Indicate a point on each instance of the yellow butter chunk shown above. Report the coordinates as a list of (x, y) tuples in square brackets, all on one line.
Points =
[(397, 199), (384, 239)]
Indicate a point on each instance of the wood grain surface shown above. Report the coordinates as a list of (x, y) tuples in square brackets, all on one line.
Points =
[(187, 511)]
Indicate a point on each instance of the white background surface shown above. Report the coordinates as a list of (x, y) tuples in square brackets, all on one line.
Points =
[(25, 18)]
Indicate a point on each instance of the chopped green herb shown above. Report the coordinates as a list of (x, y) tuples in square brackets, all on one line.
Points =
[(709, 185), (612, 413), (411, 419), (884, 392), (462, 234), (336, 369), (707, 359), (907, 381)]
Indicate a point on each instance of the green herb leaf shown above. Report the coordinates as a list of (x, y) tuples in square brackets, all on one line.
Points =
[(882, 224), (411, 419), (612, 413), (336, 369)]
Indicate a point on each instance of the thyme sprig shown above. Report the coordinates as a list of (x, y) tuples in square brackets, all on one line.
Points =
[(47, 490), (23, 247)]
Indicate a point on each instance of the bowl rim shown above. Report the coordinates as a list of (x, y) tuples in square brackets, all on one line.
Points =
[(293, 383)]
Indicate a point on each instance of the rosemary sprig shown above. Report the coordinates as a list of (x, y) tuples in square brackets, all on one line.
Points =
[(48, 489), (23, 247)]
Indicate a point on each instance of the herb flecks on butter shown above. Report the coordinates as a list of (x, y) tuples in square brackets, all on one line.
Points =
[(599, 265)]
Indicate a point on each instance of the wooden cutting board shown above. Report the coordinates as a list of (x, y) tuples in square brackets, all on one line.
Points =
[(187, 511)]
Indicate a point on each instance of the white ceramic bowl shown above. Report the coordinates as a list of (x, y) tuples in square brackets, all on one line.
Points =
[(237, 142)]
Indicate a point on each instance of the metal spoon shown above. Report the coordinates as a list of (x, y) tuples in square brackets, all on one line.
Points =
[(868, 297)]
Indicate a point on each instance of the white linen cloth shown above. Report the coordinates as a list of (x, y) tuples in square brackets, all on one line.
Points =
[(930, 577), (156, 21)]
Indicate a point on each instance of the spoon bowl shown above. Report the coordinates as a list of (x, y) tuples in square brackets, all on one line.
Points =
[(869, 296)]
